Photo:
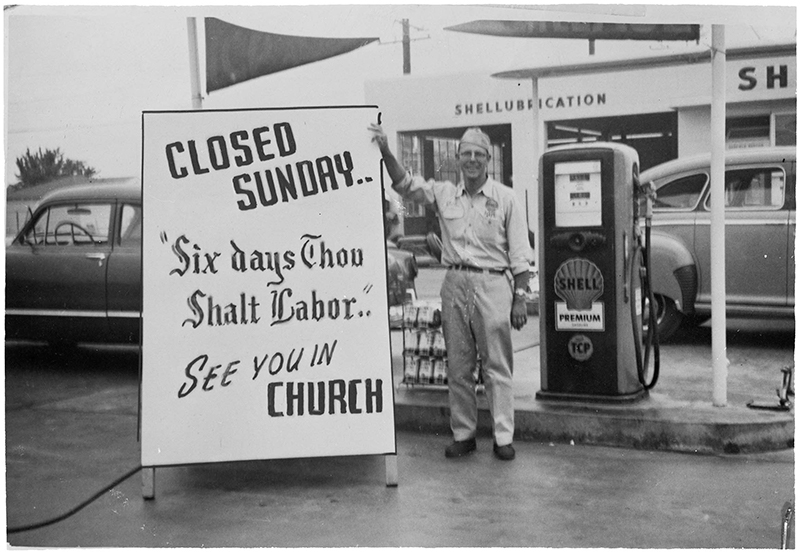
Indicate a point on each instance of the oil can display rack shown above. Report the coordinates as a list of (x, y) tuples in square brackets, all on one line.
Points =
[(424, 347)]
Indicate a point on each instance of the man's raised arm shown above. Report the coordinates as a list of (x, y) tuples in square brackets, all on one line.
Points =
[(396, 171)]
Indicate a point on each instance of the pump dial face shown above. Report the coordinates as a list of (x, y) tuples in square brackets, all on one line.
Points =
[(578, 193)]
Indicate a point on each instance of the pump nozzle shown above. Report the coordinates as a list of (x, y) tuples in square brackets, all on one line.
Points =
[(648, 190)]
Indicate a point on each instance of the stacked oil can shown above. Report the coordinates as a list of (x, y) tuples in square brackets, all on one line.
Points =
[(424, 348)]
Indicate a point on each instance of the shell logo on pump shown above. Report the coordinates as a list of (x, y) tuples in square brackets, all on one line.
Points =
[(579, 283)]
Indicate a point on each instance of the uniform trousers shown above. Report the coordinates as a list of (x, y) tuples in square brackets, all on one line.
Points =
[(476, 320)]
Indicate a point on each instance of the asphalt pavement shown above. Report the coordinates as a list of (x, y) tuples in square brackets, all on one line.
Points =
[(553, 495), (71, 430)]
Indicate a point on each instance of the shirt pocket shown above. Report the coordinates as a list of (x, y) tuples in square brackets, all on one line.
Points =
[(453, 211), (454, 218), (490, 227)]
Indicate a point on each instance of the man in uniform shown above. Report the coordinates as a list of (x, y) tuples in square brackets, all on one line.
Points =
[(486, 251)]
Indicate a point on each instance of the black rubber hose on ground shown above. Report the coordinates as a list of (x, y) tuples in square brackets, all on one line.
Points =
[(74, 510)]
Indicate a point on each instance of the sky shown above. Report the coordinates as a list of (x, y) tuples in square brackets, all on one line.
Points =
[(78, 77)]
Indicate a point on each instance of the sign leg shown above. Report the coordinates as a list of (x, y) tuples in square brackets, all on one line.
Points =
[(391, 471), (149, 482)]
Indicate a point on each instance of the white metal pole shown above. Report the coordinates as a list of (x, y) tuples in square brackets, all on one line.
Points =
[(194, 64), (537, 120), (717, 194), (537, 154)]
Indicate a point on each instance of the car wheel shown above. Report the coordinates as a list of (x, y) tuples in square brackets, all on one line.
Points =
[(668, 318)]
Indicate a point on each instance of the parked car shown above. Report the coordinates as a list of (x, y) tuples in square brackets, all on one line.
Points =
[(402, 271), (73, 273), (760, 226)]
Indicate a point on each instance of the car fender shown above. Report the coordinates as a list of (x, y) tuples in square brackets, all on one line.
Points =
[(673, 270)]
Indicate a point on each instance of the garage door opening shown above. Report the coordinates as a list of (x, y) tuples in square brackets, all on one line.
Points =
[(653, 135)]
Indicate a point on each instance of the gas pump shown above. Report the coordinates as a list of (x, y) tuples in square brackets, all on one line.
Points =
[(594, 285)]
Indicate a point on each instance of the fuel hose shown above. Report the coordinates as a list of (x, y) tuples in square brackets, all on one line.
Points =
[(651, 339)]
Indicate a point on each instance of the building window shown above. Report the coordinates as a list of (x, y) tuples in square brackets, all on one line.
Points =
[(445, 153), (653, 135), (411, 153), (785, 129), (747, 132), (411, 157)]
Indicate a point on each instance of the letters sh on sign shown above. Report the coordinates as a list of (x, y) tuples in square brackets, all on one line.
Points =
[(265, 317)]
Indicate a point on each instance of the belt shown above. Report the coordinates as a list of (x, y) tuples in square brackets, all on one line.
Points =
[(472, 269)]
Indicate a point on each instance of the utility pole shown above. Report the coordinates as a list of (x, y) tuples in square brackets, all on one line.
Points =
[(406, 48), (406, 40)]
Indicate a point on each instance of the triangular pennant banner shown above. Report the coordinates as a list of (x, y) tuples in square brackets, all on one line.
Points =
[(235, 54), (571, 29)]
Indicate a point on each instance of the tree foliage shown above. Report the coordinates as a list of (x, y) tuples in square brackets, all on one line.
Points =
[(39, 167)]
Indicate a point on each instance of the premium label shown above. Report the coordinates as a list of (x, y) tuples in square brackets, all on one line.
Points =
[(572, 319)]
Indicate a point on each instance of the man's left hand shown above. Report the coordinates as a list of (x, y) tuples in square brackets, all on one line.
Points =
[(519, 313)]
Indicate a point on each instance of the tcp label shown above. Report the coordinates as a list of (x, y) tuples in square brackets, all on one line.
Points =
[(580, 347)]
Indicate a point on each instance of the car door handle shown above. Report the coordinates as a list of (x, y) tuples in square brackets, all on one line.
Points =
[(100, 257)]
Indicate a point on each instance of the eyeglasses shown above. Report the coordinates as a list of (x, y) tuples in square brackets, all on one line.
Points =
[(473, 154)]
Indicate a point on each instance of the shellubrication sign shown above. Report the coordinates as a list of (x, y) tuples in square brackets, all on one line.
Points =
[(265, 319)]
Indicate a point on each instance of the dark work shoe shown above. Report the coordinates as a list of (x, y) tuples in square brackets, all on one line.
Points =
[(504, 452), (459, 449)]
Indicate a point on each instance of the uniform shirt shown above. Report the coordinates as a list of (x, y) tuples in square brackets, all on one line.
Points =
[(486, 230)]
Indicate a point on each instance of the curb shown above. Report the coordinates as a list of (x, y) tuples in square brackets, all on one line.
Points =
[(655, 424)]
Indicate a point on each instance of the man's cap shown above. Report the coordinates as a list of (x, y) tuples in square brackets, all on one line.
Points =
[(476, 137)]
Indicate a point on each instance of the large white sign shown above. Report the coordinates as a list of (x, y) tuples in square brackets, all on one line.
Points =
[(265, 314)]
